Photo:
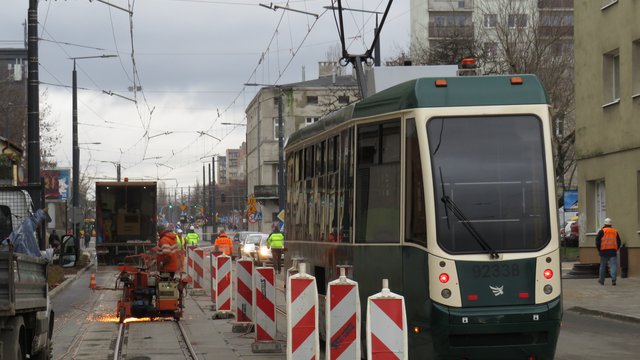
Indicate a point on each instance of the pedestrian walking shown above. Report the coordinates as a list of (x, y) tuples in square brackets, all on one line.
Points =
[(608, 244), (275, 242)]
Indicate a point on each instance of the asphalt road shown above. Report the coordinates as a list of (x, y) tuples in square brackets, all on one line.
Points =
[(585, 337)]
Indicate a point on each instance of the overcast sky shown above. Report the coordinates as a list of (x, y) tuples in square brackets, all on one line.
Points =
[(192, 58)]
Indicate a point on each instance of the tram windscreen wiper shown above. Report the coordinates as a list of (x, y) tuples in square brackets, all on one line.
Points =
[(448, 203)]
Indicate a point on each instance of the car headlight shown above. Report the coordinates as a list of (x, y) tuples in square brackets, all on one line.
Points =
[(246, 249), (265, 251)]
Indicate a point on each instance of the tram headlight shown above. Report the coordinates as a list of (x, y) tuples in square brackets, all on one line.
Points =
[(548, 289), (446, 293)]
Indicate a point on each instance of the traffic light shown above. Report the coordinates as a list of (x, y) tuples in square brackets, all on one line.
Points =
[(223, 198), (170, 206)]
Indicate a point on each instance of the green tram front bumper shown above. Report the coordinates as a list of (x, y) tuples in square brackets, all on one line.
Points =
[(505, 332)]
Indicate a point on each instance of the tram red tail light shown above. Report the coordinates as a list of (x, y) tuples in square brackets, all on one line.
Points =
[(441, 83), (548, 274), (472, 297), (444, 278), (523, 295)]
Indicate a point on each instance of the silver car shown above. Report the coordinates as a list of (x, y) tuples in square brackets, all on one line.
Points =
[(255, 246)]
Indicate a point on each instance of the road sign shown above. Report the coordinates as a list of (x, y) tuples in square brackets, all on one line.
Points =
[(281, 215)]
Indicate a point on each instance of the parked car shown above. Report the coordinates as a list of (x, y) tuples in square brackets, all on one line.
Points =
[(255, 246), (570, 233)]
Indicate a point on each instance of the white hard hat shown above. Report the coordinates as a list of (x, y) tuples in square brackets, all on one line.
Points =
[(607, 221), (179, 231), (192, 228)]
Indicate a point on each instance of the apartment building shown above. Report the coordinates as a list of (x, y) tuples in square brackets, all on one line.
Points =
[(303, 103), (607, 52)]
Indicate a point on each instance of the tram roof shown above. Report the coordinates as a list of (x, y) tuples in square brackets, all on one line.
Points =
[(423, 93)]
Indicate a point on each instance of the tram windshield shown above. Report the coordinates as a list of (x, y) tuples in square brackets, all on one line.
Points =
[(492, 168)]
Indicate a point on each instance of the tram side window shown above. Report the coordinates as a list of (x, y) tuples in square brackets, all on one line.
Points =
[(378, 183), (415, 217)]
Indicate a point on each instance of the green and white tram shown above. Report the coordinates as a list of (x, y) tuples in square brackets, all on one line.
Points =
[(446, 188)]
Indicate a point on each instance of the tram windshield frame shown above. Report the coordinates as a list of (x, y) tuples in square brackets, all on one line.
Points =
[(494, 168)]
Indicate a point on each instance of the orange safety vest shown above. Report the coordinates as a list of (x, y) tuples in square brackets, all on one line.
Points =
[(224, 244), (609, 239), (168, 256)]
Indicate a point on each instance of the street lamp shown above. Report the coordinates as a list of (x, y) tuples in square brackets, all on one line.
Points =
[(234, 124), (281, 189), (76, 149)]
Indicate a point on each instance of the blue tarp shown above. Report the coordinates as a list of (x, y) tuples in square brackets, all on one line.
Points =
[(24, 238)]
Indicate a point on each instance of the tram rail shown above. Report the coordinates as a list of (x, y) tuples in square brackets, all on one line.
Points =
[(187, 348)]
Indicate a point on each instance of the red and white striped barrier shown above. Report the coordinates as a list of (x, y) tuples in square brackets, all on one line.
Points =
[(244, 292), (212, 280), (292, 270), (196, 262), (265, 304), (190, 269), (303, 340), (386, 325), (343, 319), (223, 283)]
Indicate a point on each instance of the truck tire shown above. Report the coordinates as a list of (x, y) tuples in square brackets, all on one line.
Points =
[(11, 347)]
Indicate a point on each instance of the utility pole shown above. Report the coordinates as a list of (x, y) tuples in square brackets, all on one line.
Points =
[(213, 192), (281, 187), (33, 105)]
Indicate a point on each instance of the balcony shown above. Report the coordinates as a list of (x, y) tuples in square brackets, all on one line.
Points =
[(438, 31), (555, 4), (265, 191)]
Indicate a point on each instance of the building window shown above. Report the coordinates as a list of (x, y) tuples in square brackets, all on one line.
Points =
[(490, 20), (312, 100), (517, 20), (611, 77), (310, 120), (635, 71), (596, 204), (343, 99)]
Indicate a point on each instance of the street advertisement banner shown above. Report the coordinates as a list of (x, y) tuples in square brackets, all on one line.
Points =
[(56, 184)]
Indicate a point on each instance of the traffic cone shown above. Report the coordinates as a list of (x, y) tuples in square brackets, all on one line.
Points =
[(92, 282)]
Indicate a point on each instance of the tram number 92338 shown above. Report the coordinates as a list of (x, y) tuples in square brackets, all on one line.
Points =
[(495, 270)]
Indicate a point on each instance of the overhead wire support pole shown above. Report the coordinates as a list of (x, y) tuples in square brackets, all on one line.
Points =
[(115, 6), (276, 7)]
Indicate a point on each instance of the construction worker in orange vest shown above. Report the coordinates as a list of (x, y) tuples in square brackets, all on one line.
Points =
[(167, 257), (224, 243), (608, 243)]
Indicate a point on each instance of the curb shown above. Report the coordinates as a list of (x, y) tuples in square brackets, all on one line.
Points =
[(610, 315), (68, 281)]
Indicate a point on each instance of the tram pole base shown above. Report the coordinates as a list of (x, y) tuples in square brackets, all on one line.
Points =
[(222, 315), (242, 328), (266, 347)]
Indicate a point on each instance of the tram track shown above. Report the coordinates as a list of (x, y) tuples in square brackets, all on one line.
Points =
[(178, 332)]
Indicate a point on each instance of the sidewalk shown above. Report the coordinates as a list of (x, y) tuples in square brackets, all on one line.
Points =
[(587, 296)]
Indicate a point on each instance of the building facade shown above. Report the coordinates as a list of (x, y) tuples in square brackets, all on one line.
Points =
[(607, 52), (303, 103), (13, 113)]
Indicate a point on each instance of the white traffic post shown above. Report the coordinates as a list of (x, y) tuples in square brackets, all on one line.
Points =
[(264, 292), (386, 325), (244, 295), (343, 319), (303, 340), (223, 287)]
